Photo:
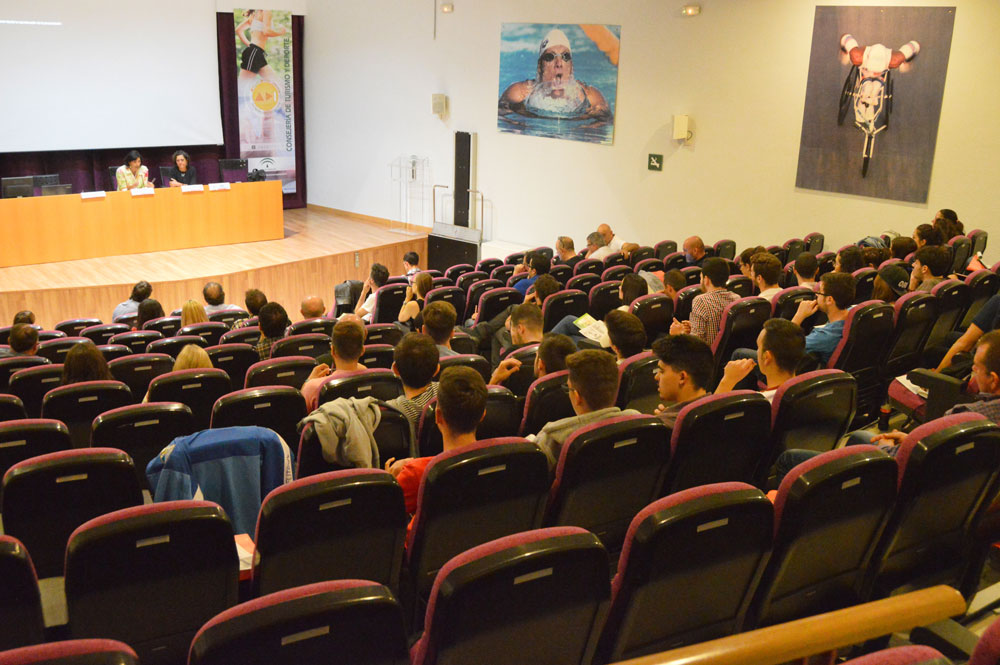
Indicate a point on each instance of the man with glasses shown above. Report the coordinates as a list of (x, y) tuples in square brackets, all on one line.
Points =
[(834, 298)]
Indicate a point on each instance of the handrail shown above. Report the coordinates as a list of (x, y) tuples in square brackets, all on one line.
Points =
[(818, 634)]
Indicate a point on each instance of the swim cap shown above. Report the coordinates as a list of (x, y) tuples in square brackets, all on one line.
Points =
[(556, 37)]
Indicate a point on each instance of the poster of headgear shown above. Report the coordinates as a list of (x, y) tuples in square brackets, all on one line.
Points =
[(266, 93), (559, 80), (873, 100)]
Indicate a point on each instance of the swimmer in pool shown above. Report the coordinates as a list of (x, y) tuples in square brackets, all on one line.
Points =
[(554, 93)]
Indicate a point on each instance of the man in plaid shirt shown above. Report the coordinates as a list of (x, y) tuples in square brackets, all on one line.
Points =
[(273, 321), (706, 309)]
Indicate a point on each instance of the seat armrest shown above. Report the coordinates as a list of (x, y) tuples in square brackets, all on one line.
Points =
[(931, 380), (943, 392), (949, 637)]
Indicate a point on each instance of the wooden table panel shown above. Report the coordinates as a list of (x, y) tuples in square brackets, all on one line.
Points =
[(62, 228)]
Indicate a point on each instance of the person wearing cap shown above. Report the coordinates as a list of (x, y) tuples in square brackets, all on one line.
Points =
[(554, 92), (890, 283)]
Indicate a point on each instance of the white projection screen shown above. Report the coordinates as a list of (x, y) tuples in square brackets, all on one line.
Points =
[(88, 74)]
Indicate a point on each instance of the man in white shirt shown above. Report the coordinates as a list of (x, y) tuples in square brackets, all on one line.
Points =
[(613, 242), (215, 298), (597, 248), (765, 271), (378, 276)]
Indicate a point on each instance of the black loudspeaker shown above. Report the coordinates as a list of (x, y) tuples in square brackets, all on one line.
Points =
[(445, 252), (463, 172)]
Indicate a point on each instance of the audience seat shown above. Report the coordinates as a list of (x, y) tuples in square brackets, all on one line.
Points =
[(229, 316), (674, 261), (48, 335), (953, 299), (742, 321), (388, 302), (31, 383), (812, 411), (319, 326), (349, 621), (27, 438), (495, 301), (177, 560), (467, 279), (73, 327), (463, 343), (73, 652), (637, 385), (615, 272), (393, 436), (475, 293), (519, 382), (604, 298), (664, 248), (55, 350), (547, 401), (102, 333), (725, 249), (377, 356), (142, 431), (449, 294), (11, 408), (779, 253), (347, 524), (246, 335), (313, 345), (128, 319), (607, 472), (21, 621), (14, 363), (740, 285), (656, 311), (682, 303), (534, 597), (786, 302), (864, 282), (378, 383), (503, 409), (615, 259), (688, 570), (561, 304), (592, 266), (397, 279), (138, 371), (983, 285), (211, 331), (649, 264), (867, 333), (814, 242), (383, 333), (197, 388), (172, 346), (793, 247), (644, 252), (503, 273), (279, 408), (562, 273), (914, 316), (584, 282), (961, 248), (78, 404), (288, 371), (165, 325), (692, 275), (234, 359), (473, 360), (488, 265), (825, 261), (457, 270), (44, 498), (113, 351), (514, 259)]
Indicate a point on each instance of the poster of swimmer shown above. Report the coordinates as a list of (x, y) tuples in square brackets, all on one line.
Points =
[(559, 80)]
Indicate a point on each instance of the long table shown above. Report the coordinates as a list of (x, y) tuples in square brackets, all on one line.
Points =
[(63, 228)]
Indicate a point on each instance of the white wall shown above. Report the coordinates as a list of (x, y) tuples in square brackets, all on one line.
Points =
[(739, 70)]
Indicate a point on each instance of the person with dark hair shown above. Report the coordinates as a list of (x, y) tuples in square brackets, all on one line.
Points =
[(834, 298), (694, 251), (925, 234), (415, 361), (183, 171), (148, 310), (930, 268), (626, 334), (901, 247), (765, 271), (439, 325), (411, 267), (781, 346), (566, 251), (347, 344), (805, 268), (377, 278), (215, 298), (461, 406), (551, 357), (593, 389), (24, 316), (673, 281), (706, 309), (890, 283), (849, 259), (84, 362), (683, 373), (273, 321), (254, 299), (23, 341), (744, 258), (534, 264), (633, 286), (140, 292), (132, 174), (544, 287), (875, 256), (411, 313), (947, 224)]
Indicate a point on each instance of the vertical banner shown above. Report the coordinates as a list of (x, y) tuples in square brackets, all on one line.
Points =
[(266, 93)]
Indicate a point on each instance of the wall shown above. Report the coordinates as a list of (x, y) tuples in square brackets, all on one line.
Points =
[(739, 70)]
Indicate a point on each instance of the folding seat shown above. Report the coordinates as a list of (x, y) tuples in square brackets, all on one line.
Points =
[(656, 311), (246, 335), (475, 293), (471, 495), (725, 249), (742, 321), (276, 407), (378, 383), (793, 248), (692, 275), (825, 261), (983, 285), (740, 285), (172, 346), (340, 525), (915, 314), (128, 319), (514, 279), (488, 265), (948, 471), (377, 356), (503, 272), (137, 371), (14, 363), (165, 325), (449, 294), (288, 371), (142, 431), (48, 335), (978, 238), (21, 621), (234, 359), (607, 472), (229, 316), (102, 333), (864, 282), (675, 261), (788, 278), (779, 253), (320, 325), (197, 388), (714, 538), (547, 252), (561, 304), (456, 271), (73, 327), (786, 302), (814, 242), (584, 282), (398, 279), (651, 264), (78, 404), (438, 280), (312, 344), (11, 408), (44, 498), (905, 655), (547, 401), (31, 384), (720, 438), (534, 597), (473, 360), (961, 248), (393, 436), (615, 273), (637, 386), (463, 343), (615, 259), (828, 516), (604, 298), (519, 382), (55, 350), (812, 411), (503, 410), (494, 301), (151, 576), (383, 333), (664, 248), (74, 652), (465, 280), (388, 301), (27, 438), (589, 266), (683, 301), (349, 621), (114, 351), (867, 333), (514, 259)]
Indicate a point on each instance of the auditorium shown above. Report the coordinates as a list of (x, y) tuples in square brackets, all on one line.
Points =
[(499, 332)]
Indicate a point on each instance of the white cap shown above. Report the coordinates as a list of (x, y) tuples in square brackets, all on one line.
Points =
[(555, 37)]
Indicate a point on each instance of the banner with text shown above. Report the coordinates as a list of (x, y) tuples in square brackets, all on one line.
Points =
[(266, 93)]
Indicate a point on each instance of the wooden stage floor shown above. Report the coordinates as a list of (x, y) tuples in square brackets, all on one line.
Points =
[(320, 250)]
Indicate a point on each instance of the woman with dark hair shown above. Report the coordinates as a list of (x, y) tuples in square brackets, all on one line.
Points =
[(925, 234), (149, 309), (901, 247), (132, 174), (84, 363), (633, 286), (183, 171)]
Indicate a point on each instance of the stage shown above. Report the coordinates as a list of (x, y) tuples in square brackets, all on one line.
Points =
[(321, 249)]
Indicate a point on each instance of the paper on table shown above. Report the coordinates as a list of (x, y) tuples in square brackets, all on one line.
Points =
[(142, 191), (912, 387), (93, 195), (218, 186), (192, 188), (591, 328), (245, 549)]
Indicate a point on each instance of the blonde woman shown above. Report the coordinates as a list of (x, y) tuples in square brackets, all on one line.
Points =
[(193, 312), (191, 356)]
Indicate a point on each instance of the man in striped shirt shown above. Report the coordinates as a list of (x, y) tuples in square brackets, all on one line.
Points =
[(415, 362), (706, 309)]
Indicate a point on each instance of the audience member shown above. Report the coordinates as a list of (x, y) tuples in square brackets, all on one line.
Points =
[(890, 283), (24, 316), (191, 356), (765, 271), (215, 298), (415, 362), (535, 264), (593, 389), (902, 246), (626, 334), (192, 312), (930, 267), (566, 252), (780, 348), (744, 258), (526, 326), (597, 248), (706, 309), (683, 373), (273, 321), (84, 362), (673, 281), (849, 259), (439, 325), (805, 268), (312, 307), (632, 287), (149, 309), (874, 256), (254, 299), (347, 343), (23, 341), (411, 266), (544, 287), (377, 278), (925, 234), (461, 405), (986, 320), (694, 251), (834, 298), (946, 222), (140, 292), (551, 357), (411, 313), (612, 241)]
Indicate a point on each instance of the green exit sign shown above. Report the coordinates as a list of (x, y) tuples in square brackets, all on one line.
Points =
[(655, 162)]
